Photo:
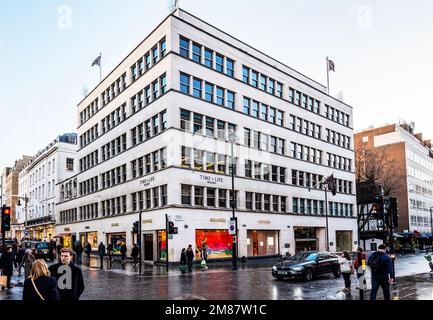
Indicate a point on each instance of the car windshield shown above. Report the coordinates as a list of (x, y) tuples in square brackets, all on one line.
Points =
[(42, 245), (304, 256)]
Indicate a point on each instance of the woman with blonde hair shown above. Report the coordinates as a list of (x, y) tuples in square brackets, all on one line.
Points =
[(39, 285)]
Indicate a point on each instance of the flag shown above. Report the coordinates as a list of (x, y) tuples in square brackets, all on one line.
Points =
[(332, 186), (331, 65), (97, 61)]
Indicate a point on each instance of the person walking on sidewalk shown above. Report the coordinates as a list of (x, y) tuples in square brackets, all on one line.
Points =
[(7, 266), (134, 253), (360, 256), (20, 256), (79, 251), (39, 285), (190, 257), (183, 261), (88, 251), (346, 270), (123, 251), (27, 263), (75, 282), (101, 253), (58, 248), (382, 272), (203, 255)]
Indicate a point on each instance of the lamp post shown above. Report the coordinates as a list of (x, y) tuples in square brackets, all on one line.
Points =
[(140, 242), (431, 227), (26, 199), (232, 139)]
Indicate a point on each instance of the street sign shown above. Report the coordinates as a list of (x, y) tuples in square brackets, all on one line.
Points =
[(26, 232), (380, 223), (232, 227)]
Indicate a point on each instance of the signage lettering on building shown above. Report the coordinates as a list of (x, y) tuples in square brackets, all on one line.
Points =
[(146, 221), (67, 229), (210, 179), (115, 224), (217, 220), (264, 221), (147, 181)]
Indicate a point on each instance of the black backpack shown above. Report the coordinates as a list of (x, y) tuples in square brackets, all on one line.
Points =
[(376, 263)]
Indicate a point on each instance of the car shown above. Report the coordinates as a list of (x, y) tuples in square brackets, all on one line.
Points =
[(8, 243), (40, 249), (306, 265)]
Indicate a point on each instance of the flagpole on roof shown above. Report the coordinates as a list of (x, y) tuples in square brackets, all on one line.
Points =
[(100, 67), (327, 73)]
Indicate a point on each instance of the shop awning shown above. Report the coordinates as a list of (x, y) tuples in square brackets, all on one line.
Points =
[(406, 234)]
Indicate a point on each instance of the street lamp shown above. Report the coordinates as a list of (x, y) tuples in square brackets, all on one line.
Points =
[(232, 140)]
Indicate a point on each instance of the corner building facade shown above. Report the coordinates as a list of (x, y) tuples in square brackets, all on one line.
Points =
[(154, 138)]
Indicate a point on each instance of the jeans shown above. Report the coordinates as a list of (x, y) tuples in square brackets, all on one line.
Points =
[(102, 261), (346, 277), (377, 282)]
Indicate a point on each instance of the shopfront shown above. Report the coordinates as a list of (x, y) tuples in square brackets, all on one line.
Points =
[(116, 239), (305, 239), (90, 237), (219, 243), (343, 240), (162, 245), (262, 242)]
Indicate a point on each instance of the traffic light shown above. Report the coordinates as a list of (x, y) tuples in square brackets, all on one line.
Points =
[(135, 227), (377, 209), (6, 218), (393, 210), (170, 227)]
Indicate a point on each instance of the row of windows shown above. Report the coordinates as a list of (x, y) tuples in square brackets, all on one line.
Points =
[(149, 94), (89, 161), (308, 206), (149, 163), (89, 211), (261, 141), (114, 90), (68, 190), (89, 136), (339, 162), (114, 176), (265, 202), (89, 111), (39, 174), (209, 58), (420, 175), (422, 160), (67, 216), (263, 111), (89, 186), (304, 101), (114, 206), (340, 209), (262, 82), (210, 197), (336, 115), (314, 181), (114, 147), (209, 126), (420, 221), (207, 91), (207, 161), (305, 127), (114, 118), (150, 58), (338, 139), (262, 171), (301, 152), (150, 198), (149, 128), (426, 192)]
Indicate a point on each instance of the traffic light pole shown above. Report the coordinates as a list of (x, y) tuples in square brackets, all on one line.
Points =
[(326, 216), (166, 242), (140, 242)]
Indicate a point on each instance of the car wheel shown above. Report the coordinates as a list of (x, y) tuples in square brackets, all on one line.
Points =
[(337, 273), (308, 274)]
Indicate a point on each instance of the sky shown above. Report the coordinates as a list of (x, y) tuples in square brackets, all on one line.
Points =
[(382, 52)]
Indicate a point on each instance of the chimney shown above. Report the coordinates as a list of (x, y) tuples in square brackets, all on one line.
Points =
[(427, 143), (419, 136)]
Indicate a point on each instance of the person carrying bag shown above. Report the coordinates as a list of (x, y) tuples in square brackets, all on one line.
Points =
[(39, 286)]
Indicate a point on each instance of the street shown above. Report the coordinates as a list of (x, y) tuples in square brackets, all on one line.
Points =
[(252, 282)]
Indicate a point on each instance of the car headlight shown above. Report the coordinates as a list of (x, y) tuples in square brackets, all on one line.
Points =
[(297, 268), (274, 268)]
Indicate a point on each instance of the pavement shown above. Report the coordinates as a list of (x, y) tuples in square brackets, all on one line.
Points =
[(253, 281)]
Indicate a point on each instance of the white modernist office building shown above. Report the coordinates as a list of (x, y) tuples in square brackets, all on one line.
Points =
[(153, 138), (38, 189)]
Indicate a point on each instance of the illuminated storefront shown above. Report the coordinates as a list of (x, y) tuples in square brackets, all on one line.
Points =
[(262, 243), (116, 239), (219, 243), (162, 245), (89, 237)]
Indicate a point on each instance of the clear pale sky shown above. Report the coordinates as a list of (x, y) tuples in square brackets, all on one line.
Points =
[(382, 50)]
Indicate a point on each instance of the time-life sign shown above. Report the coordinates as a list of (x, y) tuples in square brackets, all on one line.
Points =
[(211, 179), (147, 181)]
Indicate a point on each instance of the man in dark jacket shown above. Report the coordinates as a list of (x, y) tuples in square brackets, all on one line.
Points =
[(101, 253), (6, 265), (123, 251), (20, 255), (190, 257), (79, 251), (382, 272), (134, 253), (70, 282), (88, 251)]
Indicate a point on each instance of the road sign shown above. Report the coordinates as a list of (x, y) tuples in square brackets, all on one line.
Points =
[(232, 227), (26, 232), (380, 223)]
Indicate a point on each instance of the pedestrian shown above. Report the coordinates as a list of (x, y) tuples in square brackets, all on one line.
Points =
[(429, 260), (101, 253), (27, 263), (123, 251), (134, 253), (58, 248), (7, 266), (39, 285), (52, 247), (346, 270), (190, 257), (183, 261), (20, 256), (382, 272), (88, 250), (357, 265), (75, 282), (203, 255), (14, 253), (79, 251), (110, 249)]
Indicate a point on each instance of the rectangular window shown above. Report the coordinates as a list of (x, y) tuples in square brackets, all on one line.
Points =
[(209, 92), (210, 161), (258, 201), (69, 164), (210, 130), (198, 196), (263, 82), (267, 202), (222, 198), (271, 87), (184, 47), (230, 67), (280, 117), (185, 122), (254, 78), (196, 52), (266, 172), (264, 112), (208, 58), (198, 123), (257, 170), (156, 197), (246, 105), (197, 88), (249, 200), (230, 100), (210, 197), (184, 83), (248, 169), (245, 74), (279, 90), (272, 112), (163, 83), (221, 163), (155, 55), (274, 175), (186, 157), (198, 159), (219, 63), (247, 137), (220, 96), (186, 194), (256, 139)]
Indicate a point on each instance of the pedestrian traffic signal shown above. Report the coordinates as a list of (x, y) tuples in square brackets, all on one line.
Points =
[(135, 227), (6, 218)]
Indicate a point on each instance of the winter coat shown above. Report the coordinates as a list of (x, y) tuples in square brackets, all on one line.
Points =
[(386, 262), (47, 287), (101, 249), (79, 248), (183, 258), (20, 255), (27, 262), (190, 255), (345, 265), (88, 249), (6, 263), (357, 263), (135, 251), (77, 281), (123, 249)]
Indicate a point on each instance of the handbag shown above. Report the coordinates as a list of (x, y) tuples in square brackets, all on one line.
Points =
[(3, 280), (36, 289), (183, 268)]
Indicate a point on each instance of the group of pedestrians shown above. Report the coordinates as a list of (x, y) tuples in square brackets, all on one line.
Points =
[(382, 270), (187, 258)]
